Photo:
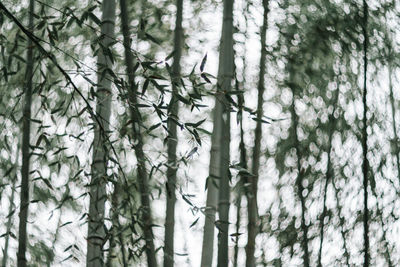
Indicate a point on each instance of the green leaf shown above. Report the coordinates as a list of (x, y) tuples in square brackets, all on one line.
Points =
[(94, 18), (145, 85), (153, 127), (204, 76), (203, 63), (261, 120), (170, 55), (151, 38), (195, 125), (194, 223), (64, 224), (47, 182)]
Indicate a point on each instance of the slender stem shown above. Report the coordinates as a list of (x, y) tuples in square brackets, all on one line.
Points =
[(142, 177), (365, 140), (173, 142), (26, 128), (225, 77), (252, 196), (218, 193), (242, 177), (96, 234)]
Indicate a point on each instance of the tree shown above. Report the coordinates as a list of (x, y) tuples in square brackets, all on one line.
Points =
[(365, 166), (96, 234), (136, 119), (225, 77), (26, 128), (329, 99), (252, 195), (218, 179), (173, 141)]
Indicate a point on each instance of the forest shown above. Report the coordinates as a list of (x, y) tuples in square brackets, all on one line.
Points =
[(199, 133)]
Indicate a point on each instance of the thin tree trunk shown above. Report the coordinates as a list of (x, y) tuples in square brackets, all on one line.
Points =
[(225, 77), (173, 142), (243, 152), (96, 234), (10, 209), (243, 164), (252, 196), (329, 173), (365, 139), (146, 219), (238, 219), (242, 177), (114, 216), (219, 158), (24, 200), (212, 185)]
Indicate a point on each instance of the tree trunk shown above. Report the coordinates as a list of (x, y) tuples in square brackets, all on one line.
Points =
[(219, 156), (242, 177), (96, 234), (212, 185), (173, 142), (136, 118), (24, 200), (252, 196), (365, 139), (225, 77)]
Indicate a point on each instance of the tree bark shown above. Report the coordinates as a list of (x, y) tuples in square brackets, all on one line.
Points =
[(173, 141), (365, 166), (242, 177), (225, 77), (96, 234), (252, 196), (143, 183), (26, 128), (219, 158)]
